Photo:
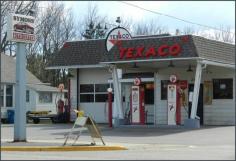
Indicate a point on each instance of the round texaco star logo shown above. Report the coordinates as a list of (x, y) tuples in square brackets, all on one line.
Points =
[(173, 78), (115, 36), (137, 81)]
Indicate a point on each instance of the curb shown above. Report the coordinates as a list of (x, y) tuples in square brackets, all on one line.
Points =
[(62, 148)]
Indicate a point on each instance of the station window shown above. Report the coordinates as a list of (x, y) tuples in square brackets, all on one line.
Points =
[(9, 96), (86, 88), (87, 93), (45, 97), (149, 93), (1, 96), (101, 87), (164, 84), (86, 97), (223, 88), (94, 92), (27, 95)]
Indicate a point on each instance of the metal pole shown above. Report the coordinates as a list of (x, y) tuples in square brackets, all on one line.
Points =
[(110, 107), (69, 101), (20, 98), (196, 90)]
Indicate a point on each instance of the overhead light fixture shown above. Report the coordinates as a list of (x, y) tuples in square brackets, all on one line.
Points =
[(189, 68), (135, 65), (171, 64)]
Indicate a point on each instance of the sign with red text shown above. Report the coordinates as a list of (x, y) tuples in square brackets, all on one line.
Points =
[(20, 28), (115, 36), (146, 52), (140, 49)]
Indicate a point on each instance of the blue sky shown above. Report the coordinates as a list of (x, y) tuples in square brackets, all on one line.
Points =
[(211, 13)]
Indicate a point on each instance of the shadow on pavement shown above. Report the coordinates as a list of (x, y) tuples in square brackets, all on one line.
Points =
[(139, 132)]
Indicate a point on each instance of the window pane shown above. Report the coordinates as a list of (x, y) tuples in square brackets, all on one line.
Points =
[(1, 96), (101, 87), (101, 97), (86, 98), (2, 92), (86, 88), (164, 84), (45, 97), (1, 101), (149, 93), (27, 95), (9, 90), (222, 88), (8, 101)]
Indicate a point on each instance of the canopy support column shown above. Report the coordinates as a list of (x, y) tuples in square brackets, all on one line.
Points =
[(118, 110), (194, 121)]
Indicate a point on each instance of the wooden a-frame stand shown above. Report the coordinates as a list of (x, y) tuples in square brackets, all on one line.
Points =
[(81, 124)]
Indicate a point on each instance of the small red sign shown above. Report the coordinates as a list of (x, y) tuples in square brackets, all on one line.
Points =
[(183, 84), (23, 37), (173, 78), (137, 81)]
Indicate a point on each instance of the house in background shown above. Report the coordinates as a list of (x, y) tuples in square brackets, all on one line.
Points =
[(39, 96)]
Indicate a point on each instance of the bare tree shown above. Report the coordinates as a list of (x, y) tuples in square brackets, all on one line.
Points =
[(149, 28), (93, 25), (224, 34), (189, 31), (56, 26)]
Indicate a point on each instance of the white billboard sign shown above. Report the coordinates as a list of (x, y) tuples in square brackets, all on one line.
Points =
[(20, 28)]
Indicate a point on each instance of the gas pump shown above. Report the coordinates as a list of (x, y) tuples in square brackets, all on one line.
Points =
[(173, 102), (137, 103)]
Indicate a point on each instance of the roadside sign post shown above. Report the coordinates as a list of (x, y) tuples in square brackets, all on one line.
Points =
[(20, 97), (20, 30)]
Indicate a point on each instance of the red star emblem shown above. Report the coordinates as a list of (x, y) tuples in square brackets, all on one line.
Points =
[(116, 41)]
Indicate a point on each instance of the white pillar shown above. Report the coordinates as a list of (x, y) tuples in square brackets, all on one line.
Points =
[(20, 109), (117, 96), (197, 83)]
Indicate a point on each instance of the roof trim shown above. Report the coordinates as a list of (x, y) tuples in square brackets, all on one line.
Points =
[(151, 60), (213, 39), (215, 63), (76, 66)]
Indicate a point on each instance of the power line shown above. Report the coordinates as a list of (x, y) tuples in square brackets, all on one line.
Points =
[(170, 16)]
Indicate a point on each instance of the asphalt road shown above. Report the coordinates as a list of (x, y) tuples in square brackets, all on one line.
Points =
[(211, 142)]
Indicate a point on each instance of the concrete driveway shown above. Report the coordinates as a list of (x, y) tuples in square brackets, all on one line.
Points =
[(208, 142)]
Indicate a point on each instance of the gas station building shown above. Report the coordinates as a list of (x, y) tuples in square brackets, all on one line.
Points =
[(203, 71)]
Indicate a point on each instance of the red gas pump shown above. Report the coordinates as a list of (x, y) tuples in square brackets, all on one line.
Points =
[(137, 107)]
